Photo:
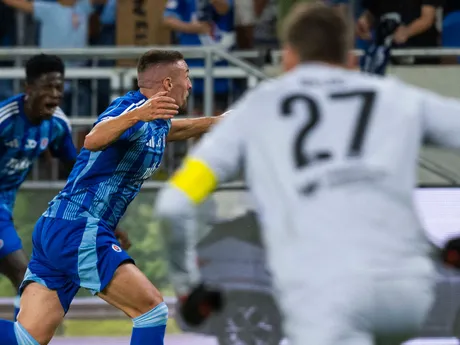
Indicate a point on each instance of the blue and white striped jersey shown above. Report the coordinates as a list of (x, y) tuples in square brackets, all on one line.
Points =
[(21, 143), (102, 184)]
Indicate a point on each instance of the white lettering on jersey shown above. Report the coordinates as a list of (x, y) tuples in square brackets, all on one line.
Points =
[(16, 165), (12, 143), (31, 144)]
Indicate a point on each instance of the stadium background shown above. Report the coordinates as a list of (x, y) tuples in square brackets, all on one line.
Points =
[(102, 68)]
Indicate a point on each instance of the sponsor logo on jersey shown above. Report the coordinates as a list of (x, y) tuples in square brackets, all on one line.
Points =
[(1, 243), (151, 142), (31, 144), (116, 248), (44, 143)]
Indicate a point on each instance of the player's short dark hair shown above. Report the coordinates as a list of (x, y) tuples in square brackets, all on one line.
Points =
[(155, 57), (318, 33), (41, 64)]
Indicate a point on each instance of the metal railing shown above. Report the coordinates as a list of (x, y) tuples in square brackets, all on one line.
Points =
[(85, 308), (210, 54)]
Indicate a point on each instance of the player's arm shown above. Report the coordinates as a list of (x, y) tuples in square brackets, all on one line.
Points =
[(119, 122), (21, 5), (172, 19), (183, 129), (62, 146), (110, 129), (426, 20), (215, 159)]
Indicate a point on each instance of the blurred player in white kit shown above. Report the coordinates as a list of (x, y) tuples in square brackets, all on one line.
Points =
[(330, 157)]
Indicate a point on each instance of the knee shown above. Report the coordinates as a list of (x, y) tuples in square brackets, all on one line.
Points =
[(155, 317), (151, 299), (34, 334)]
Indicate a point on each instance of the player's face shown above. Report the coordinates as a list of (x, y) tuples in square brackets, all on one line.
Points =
[(290, 58), (181, 84), (45, 95)]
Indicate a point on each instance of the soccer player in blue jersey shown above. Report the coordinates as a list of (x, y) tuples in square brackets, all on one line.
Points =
[(73, 242), (30, 123)]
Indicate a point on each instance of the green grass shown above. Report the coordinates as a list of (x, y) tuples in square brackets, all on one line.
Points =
[(115, 328)]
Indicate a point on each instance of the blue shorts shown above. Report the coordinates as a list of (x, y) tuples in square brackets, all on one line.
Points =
[(69, 254), (9, 238)]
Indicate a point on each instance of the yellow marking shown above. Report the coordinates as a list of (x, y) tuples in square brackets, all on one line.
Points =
[(195, 179)]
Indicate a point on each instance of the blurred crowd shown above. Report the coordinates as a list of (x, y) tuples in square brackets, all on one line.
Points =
[(231, 24)]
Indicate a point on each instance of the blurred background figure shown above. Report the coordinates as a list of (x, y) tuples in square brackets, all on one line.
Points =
[(211, 24)]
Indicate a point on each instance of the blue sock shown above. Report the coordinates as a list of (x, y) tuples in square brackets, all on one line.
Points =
[(12, 333), (17, 301), (150, 328)]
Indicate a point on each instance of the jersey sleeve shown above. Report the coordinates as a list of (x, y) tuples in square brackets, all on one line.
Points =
[(441, 117), (62, 146), (119, 107)]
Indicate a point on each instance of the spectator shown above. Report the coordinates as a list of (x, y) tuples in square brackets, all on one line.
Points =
[(418, 28), (246, 14), (284, 7), (105, 16), (63, 24), (216, 27), (265, 31), (357, 10)]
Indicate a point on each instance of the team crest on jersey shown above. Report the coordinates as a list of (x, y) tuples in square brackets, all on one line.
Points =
[(44, 143), (116, 248)]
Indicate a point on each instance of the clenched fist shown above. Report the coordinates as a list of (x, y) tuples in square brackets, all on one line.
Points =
[(158, 107)]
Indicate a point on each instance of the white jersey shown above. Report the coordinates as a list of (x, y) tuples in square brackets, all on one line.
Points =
[(330, 157)]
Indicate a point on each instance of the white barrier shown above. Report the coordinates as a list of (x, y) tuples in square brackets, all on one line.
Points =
[(85, 308)]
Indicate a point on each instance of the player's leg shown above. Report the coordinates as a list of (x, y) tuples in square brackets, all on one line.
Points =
[(403, 305), (13, 259), (109, 272), (131, 292), (47, 290), (330, 311), (41, 309)]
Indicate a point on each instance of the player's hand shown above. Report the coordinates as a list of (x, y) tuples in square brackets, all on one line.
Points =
[(200, 28), (158, 107), (196, 307), (451, 253), (123, 238), (363, 29)]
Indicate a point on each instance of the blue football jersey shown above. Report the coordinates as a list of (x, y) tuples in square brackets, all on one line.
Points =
[(103, 183), (22, 142)]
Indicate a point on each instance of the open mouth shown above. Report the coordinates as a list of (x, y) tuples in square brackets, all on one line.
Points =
[(50, 107)]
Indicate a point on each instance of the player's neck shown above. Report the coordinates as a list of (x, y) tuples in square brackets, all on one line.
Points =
[(28, 111), (147, 92)]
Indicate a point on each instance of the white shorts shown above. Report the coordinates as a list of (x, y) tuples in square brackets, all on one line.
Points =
[(352, 313), (244, 13)]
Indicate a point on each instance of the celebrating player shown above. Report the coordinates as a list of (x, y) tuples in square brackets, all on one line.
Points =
[(332, 168), (74, 242), (30, 124)]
